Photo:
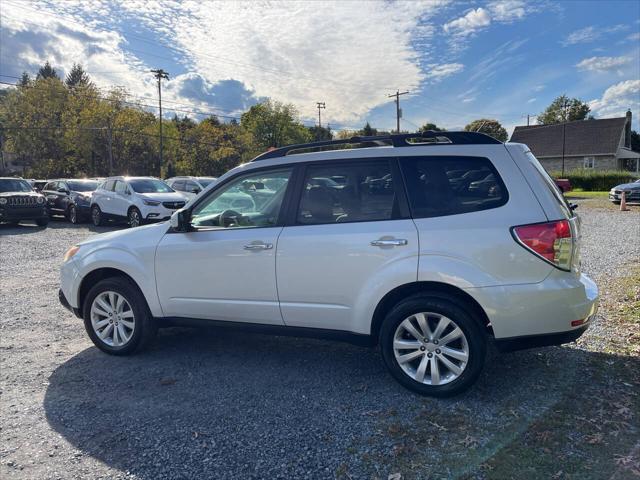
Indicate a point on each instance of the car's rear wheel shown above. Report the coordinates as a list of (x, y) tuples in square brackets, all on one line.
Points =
[(135, 217), (433, 346), (117, 318), (96, 216)]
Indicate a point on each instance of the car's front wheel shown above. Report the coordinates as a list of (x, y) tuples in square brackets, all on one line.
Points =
[(42, 222), (432, 345), (135, 217), (72, 214), (96, 216), (117, 318)]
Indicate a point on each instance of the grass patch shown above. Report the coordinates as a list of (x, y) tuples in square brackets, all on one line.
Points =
[(593, 432), (584, 194)]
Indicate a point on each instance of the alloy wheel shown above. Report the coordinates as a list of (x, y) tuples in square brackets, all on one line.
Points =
[(73, 214), (431, 348), (134, 218), (95, 216), (112, 319)]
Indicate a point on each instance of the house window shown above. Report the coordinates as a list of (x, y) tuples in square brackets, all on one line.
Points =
[(589, 162)]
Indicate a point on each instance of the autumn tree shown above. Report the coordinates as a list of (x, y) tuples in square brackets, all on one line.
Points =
[(274, 124), (564, 109), (488, 126)]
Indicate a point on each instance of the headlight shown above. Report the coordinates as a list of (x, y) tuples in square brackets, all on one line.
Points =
[(151, 203), (40, 200), (71, 252), (3, 201)]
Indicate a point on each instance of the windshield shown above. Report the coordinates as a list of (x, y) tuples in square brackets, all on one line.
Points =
[(83, 186), (149, 185), (14, 185), (205, 182)]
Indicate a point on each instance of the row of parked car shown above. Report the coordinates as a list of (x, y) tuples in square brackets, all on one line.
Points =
[(134, 200)]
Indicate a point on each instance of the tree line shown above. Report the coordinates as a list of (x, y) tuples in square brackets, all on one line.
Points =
[(67, 127)]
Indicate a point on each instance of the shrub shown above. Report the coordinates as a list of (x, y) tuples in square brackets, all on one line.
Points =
[(595, 180)]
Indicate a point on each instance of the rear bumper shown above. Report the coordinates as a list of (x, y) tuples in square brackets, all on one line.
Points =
[(535, 341), (539, 309)]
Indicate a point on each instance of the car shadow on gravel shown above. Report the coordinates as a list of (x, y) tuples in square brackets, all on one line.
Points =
[(219, 403)]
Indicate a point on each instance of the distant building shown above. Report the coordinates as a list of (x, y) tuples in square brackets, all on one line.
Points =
[(599, 144)]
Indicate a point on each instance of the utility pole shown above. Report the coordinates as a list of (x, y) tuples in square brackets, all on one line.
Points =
[(528, 116), (320, 105), (398, 111), (109, 131), (160, 74), (565, 117)]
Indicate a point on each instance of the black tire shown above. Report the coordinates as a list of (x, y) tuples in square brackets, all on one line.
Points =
[(42, 222), (145, 327), (96, 216), (134, 217), (72, 214), (453, 309)]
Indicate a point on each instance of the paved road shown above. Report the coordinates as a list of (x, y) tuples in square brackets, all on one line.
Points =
[(219, 404)]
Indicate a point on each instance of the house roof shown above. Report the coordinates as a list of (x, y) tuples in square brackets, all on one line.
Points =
[(584, 137)]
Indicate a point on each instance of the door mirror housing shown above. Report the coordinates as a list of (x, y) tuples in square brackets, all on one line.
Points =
[(181, 220), (63, 190), (195, 190)]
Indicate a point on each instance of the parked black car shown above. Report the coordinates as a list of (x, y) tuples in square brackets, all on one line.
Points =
[(631, 190), (70, 197), (18, 201)]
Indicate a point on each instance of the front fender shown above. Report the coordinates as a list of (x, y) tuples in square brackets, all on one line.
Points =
[(137, 264)]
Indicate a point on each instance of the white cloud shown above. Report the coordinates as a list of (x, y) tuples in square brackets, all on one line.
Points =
[(472, 21), (591, 34), (531, 100), (617, 99), (507, 10), (602, 64), (346, 54), (437, 72)]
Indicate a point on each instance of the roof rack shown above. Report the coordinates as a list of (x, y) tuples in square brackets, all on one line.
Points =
[(429, 137)]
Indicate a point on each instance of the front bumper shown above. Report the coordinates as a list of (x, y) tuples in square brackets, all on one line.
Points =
[(157, 214), (65, 303), (30, 213), (629, 197)]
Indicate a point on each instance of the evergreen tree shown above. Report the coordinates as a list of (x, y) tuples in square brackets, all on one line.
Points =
[(47, 71), (77, 77)]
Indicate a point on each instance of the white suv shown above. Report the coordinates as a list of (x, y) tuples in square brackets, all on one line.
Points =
[(190, 187), (137, 200), (385, 244)]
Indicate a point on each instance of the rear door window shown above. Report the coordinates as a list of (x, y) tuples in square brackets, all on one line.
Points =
[(439, 185), (364, 194), (178, 185)]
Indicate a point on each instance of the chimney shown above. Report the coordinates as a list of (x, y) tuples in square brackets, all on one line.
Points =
[(627, 130)]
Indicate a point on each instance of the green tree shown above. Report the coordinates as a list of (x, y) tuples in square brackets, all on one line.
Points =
[(274, 124), (488, 126), (635, 141), (25, 80), (77, 77), (47, 71), (431, 126), (564, 109), (368, 131), (320, 133)]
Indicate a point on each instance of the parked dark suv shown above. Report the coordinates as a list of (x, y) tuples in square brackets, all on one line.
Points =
[(70, 197), (18, 201)]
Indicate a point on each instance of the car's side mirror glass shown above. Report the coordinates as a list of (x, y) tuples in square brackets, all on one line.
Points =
[(181, 220), (195, 190)]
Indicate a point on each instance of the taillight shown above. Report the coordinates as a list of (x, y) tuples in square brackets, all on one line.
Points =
[(553, 241)]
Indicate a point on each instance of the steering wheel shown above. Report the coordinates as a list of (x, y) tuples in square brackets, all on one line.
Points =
[(229, 217)]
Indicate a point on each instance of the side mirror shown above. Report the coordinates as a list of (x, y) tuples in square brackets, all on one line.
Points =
[(63, 190), (181, 220), (195, 190)]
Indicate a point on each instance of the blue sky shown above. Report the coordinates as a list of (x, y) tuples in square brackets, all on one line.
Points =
[(459, 60)]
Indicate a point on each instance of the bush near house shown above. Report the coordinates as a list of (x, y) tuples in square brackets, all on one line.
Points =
[(595, 180)]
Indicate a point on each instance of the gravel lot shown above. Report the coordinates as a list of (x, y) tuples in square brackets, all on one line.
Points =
[(220, 404)]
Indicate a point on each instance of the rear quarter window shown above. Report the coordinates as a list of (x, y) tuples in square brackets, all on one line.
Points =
[(439, 185)]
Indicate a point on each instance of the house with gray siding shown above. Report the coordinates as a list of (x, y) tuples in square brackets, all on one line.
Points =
[(592, 144)]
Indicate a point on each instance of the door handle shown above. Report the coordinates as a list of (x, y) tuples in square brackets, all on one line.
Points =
[(258, 246), (391, 242)]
